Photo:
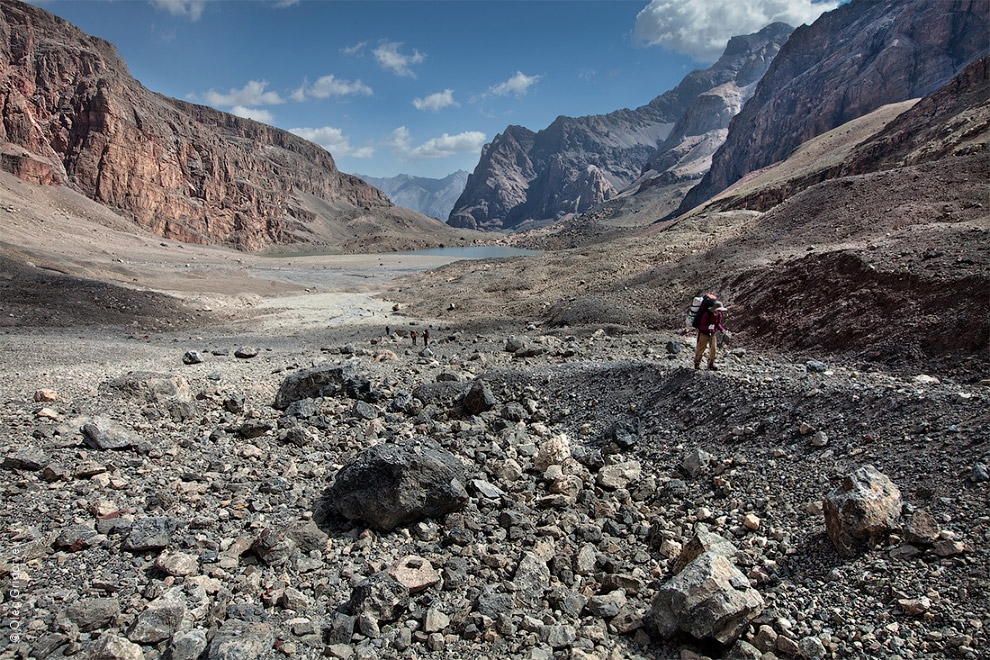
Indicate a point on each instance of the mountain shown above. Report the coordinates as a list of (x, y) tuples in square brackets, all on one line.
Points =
[(849, 62), (869, 245), (432, 197), (71, 114), (577, 163)]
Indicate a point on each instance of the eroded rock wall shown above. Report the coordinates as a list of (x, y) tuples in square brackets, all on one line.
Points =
[(70, 113)]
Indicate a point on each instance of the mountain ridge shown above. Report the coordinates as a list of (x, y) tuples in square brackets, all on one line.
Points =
[(875, 53), (576, 163), (429, 196)]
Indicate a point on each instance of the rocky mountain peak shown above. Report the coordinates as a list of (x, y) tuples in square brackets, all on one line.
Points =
[(575, 164)]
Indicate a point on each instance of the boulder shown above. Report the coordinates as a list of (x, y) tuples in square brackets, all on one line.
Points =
[(389, 486), (710, 599), (170, 395), (321, 381), (479, 398), (862, 510)]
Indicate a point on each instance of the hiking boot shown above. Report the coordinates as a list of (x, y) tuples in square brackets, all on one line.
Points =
[(712, 367), (697, 366)]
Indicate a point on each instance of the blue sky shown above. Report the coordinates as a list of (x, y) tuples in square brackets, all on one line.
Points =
[(419, 86)]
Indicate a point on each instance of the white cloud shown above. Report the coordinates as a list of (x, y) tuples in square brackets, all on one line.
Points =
[(355, 49), (436, 102), (702, 28), (389, 58), (333, 140), (256, 114), (327, 86), (518, 84), (191, 8), (253, 93), (401, 142)]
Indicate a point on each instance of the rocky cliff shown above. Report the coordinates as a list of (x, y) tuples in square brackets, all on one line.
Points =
[(578, 163), (70, 113), (432, 197), (851, 61)]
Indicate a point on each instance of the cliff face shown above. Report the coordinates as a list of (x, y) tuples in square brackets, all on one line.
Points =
[(577, 163), (70, 113), (851, 61)]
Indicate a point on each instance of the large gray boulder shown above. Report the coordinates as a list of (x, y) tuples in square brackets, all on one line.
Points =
[(389, 486), (325, 380), (862, 510), (169, 394), (709, 599)]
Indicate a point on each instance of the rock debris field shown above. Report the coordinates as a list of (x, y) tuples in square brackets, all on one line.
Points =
[(502, 492)]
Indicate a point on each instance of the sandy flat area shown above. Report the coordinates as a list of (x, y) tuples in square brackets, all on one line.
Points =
[(60, 231)]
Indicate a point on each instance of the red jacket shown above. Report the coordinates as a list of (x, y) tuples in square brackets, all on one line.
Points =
[(710, 322)]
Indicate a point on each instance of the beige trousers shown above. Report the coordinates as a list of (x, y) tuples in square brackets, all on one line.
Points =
[(699, 351)]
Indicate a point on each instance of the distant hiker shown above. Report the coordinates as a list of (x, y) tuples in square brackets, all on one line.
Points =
[(388, 331), (412, 333), (710, 324), (426, 337)]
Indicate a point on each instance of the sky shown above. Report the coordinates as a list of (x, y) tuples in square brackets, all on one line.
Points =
[(419, 86)]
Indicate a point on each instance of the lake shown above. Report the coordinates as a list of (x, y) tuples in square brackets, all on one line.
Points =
[(472, 252), (352, 272)]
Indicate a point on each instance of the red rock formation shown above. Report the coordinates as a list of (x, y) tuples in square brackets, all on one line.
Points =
[(70, 113)]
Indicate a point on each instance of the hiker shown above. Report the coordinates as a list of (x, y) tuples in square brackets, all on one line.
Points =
[(711, 323), (412, 333), (426, 337)]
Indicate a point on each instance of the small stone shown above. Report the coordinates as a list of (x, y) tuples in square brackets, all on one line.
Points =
[(29, 459), (946, 548), (150, 534), (189, 646), (93, 613), (293, 599), (435, 621), (115, 647), (177, 564), (192, 357), (915, 606), (45, 396), (812, 648)]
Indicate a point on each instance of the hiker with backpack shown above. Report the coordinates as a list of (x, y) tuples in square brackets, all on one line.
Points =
[(708, 320)]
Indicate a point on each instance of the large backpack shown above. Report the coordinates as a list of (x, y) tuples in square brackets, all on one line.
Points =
[(698, 307)]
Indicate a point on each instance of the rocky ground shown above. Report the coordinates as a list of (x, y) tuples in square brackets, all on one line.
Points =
[(157, 504), (163, 546)]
